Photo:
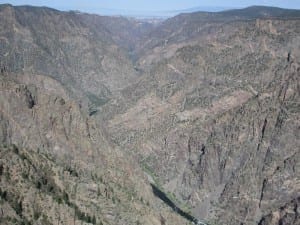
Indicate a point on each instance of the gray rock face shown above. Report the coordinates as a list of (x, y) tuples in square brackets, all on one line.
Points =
[(76, 51), (207, 109), (220, 119), (56, 165)]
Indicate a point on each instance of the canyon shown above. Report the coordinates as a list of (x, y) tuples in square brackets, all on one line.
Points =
[(115, 120)]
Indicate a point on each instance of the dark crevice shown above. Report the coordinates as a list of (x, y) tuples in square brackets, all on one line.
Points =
[(262, 221), (262, 191), (202, 153), (30, 99), (262, 134), (263, 129), (282, 116), (289, 57)]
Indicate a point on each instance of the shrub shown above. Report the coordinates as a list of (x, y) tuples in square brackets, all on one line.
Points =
[(66, 198), (1, 170), (36, 215), (18, 208)]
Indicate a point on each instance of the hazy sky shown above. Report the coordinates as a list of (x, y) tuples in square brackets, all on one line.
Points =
[(149, 5)]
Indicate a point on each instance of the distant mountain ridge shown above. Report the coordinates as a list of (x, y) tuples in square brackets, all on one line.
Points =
[(252, 12), (255, 11), (262, 11)]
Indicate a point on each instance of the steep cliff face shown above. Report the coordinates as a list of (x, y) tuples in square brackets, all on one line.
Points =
[(97, 112), (37, 113), (56, 165), (251, 156), (219, 121), (35, 189), (79, 53)]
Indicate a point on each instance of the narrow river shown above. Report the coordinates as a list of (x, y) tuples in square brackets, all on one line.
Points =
[(158, 193)]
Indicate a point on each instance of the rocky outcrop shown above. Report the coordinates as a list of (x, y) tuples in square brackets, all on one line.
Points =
[(287, 214), (221, 118), (73, 49), (58, 153)]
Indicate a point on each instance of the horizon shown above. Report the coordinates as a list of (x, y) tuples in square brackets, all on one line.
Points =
[(147, 9)]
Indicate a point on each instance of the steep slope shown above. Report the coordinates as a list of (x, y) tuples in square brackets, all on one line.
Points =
[(77, 52), (34, 189), (217, 116), (126, 32), (185, 28), (57, 166)]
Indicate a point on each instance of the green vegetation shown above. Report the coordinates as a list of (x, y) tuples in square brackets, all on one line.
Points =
[(3, 195), (150, 172), (17, 205), (72, 171), (42, 179), (97, 101), (170, 195), (36, 215)]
